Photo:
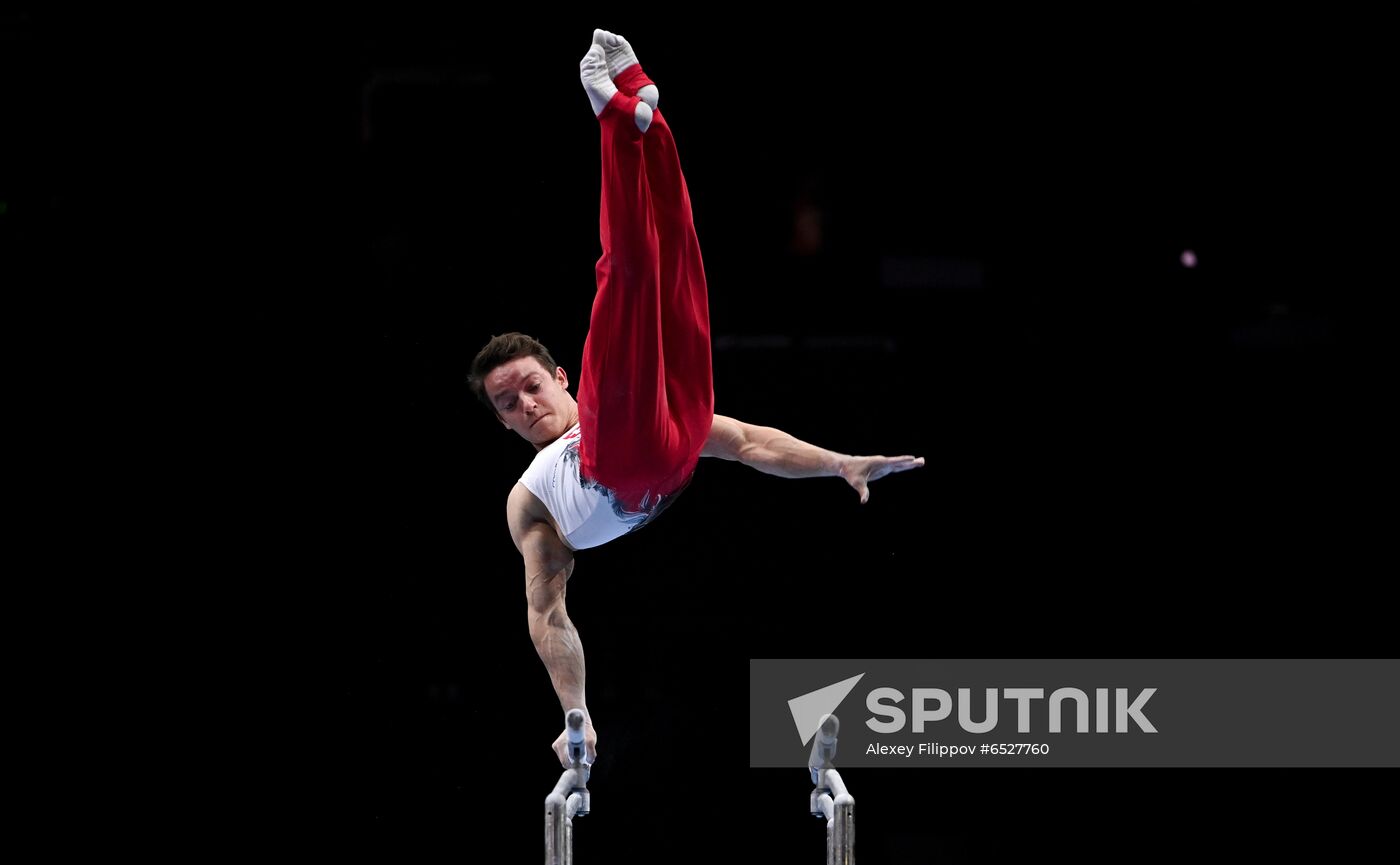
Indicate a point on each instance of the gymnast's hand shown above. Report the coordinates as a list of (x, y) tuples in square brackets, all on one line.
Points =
[(860, 471), (590, 744)]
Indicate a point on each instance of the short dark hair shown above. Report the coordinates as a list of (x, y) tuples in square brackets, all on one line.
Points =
[(504, 349)]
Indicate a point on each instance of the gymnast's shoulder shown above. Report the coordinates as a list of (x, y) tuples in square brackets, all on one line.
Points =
[(526, 515)]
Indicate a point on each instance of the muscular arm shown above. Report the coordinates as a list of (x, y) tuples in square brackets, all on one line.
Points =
[(777, 453), (548, 566)]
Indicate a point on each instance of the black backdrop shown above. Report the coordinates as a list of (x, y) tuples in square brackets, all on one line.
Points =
[(949, 236), (1125, 455)]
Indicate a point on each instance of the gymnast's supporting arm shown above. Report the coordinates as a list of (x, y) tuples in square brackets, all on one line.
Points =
[(548, 566), (774, 452)]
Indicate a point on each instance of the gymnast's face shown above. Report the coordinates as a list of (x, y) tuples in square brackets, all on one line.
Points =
[(531, 400)]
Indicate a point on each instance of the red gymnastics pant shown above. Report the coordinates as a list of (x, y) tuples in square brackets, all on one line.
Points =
[(646, 393)]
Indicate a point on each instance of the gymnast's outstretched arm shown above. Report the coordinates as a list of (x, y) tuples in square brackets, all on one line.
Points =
[(776, 453), (548, 565)]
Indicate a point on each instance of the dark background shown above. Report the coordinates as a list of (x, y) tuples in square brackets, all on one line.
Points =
[(953, 237)]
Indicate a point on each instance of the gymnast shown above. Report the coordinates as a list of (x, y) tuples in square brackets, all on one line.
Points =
[(613, 459)]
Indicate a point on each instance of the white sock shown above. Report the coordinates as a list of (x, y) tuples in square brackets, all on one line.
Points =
[(620, 56), (593, 71), (618, 50)]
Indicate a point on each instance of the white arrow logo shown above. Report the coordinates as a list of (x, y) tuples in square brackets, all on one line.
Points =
[(808, 709)]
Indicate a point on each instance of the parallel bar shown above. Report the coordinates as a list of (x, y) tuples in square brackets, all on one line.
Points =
[(568, 799), (557, 823), (833, 781), (843, 826), (831, 799)]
